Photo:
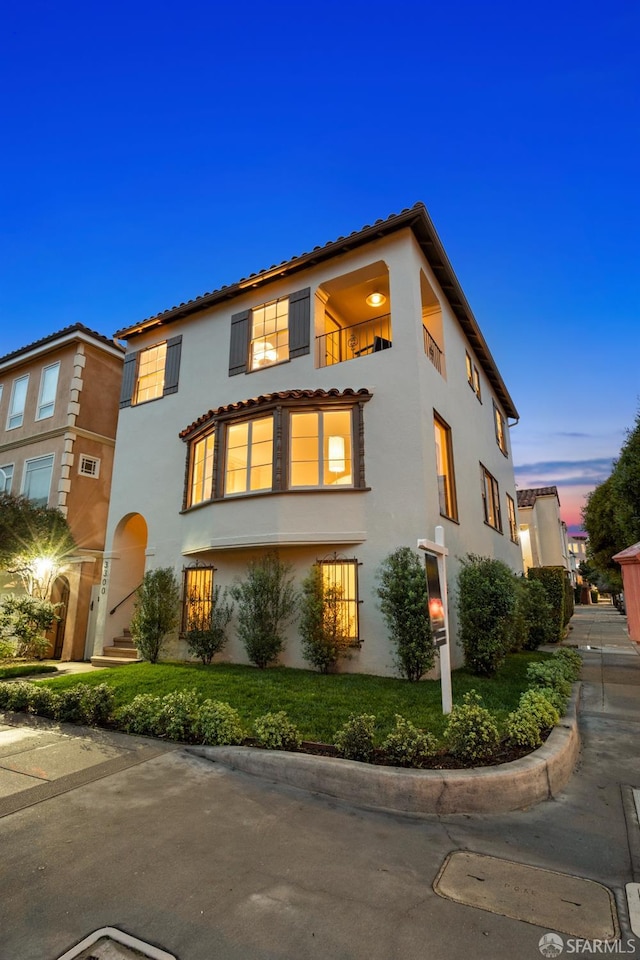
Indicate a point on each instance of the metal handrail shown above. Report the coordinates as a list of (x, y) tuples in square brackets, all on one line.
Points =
[(124, 599), (432, 349), (356, 340)]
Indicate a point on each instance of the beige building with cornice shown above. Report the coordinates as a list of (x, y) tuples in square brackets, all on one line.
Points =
[(58, 418)]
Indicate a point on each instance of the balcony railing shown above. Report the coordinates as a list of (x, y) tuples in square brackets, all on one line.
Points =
[(432, 350), (357, 340)]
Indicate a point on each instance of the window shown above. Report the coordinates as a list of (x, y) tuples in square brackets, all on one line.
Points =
[(473, 376), (491, 499), (340, 578), (151, 373), (89, 466), (249, 466), (444, 467), (201, 470), (321, 449), (501, 434), (48, 387), (18, 402), (511, 513), (270, 333), (292, 440), (6, 476), (197, 598), (37, 480)]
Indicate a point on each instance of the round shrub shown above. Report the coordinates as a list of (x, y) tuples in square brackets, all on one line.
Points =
[(275, 731), (523, 730), (557, 700), (98, 704), (354, 741), (72, 706), (570, 657), (43, 701), (551, 673), (407, 746), (472, 733), (141, 715), (5, 694), (218, 723), (538, 704), (19, 695), (178, 715)]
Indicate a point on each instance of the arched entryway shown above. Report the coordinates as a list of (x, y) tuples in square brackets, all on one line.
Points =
[(126, 574)]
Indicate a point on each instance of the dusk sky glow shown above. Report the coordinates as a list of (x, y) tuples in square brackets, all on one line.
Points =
[(155, 151)]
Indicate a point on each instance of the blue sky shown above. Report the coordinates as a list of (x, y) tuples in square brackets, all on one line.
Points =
[(155, 151)]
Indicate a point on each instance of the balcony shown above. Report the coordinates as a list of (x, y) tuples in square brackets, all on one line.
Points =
[(432, 349), (351, 342)]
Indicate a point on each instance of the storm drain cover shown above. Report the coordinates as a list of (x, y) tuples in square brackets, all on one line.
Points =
[(556, 901), (108, 943)]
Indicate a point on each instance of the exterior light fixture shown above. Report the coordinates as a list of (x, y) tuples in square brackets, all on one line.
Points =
[(336, 455), (376, 299)]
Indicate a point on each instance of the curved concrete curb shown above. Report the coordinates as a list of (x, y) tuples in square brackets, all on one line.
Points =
[(510, 786)]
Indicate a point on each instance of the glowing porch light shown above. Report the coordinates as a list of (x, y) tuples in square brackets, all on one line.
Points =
[(376, 299)]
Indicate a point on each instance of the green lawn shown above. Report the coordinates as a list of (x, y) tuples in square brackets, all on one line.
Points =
[(24, 669), (318, 704)]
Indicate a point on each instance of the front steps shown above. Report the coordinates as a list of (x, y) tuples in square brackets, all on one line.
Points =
[(121, 652)]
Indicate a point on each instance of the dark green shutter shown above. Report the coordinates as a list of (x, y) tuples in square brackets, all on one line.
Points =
[(299, 322), (128, 378), (172, 366), (239, 345)]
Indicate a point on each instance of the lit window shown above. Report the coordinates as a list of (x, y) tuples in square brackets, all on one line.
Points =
[(37, 480), (48, 387), (269, 334), (6, 476), (18, 402), (321, 449), (201, 470), (473, 376), (501, 435), (197, 599), (491, 499), (476, 382), (249, 456), (150, 381), (340, 581), (89, 467), (469, 370), (444, 467), (511, 512)]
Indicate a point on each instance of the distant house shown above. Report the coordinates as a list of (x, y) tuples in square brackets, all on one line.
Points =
[(58, 415), (332, 408), (543, 533)]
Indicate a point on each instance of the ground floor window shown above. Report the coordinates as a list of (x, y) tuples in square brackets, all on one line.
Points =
[(197, 598), (340, 580)]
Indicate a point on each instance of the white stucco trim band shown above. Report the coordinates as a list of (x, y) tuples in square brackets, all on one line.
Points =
[(278, 539)]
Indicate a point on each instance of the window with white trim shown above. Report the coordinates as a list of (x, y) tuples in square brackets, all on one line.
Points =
[(269, 334), (36, 482), (150, 379), (89, 466), (6, 477), (48, 389), (18, 402), (490, 499)]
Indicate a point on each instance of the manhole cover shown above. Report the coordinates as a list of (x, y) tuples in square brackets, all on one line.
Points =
[(556, 901), (111, 944)]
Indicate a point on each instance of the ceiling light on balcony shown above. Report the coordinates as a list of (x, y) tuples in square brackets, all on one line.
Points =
[(376, 299)]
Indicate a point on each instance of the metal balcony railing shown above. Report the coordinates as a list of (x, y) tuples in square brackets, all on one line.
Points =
[(432, 350), (356, 340)]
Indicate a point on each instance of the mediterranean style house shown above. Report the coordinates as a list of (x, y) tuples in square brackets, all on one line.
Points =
[(331, 408), (58, 416), (543, 533)]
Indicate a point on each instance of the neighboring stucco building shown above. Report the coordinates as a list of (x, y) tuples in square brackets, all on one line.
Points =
[(333, 407), (58, 416), (543, 533)]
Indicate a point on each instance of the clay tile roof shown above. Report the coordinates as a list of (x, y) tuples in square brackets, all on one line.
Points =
[(527, 498), (52, 337), (267, 399)]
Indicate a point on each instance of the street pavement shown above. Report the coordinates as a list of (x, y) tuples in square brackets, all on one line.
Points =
[(102, 830)]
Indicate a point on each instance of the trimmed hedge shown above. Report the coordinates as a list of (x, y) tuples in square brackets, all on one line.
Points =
[(553, 580)]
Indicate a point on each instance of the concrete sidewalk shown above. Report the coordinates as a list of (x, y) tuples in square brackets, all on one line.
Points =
[(207, 863)]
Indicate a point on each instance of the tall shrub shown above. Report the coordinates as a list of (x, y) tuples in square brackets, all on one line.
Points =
[(486, 612), (156, 611), (23, 622), (322, 628), (403, 597), (553, 580), (207, 635), (535, 616), (266, 603)]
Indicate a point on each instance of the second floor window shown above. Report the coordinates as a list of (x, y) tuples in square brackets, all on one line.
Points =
[(36, 484), (490, 499), (150, 381), (513, 525), (501, 430), (321, 449), (151, 373), (249, 465), (201, 470), (18, 402), (269, 334), (444, 467), (48, 388)]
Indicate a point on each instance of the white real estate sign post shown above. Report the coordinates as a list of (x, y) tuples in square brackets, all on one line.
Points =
[(436, 574)]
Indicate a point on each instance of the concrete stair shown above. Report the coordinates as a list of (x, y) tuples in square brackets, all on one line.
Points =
[(121, 652)]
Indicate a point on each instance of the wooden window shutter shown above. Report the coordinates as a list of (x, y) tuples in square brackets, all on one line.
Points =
[(172, 366), (128, 378), (299, 322), (239, 345)]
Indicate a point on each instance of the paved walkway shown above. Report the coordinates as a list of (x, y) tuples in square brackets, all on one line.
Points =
[(207, 863)]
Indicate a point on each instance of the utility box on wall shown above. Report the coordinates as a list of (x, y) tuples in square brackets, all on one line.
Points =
[(629, 560)]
